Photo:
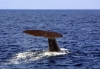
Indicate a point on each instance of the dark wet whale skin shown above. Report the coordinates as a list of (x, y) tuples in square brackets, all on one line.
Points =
[(53, 45)]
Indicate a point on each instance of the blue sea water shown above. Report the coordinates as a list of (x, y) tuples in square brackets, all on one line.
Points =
[(81, 37)]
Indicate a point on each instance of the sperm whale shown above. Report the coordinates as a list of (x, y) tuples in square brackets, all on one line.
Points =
[(52, 43)]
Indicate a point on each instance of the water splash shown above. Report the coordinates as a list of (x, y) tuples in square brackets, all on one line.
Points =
[(30, 56), (62, 52)]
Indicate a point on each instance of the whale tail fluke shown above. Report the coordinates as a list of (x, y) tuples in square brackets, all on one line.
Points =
[(51, 38)]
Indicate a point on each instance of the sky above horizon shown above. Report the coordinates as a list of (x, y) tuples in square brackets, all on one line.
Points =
[(52, 4)]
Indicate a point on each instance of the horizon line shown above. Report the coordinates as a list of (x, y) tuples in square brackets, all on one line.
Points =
[(49, 9)]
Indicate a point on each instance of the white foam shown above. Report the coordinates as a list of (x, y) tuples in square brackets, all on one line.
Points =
[(30, 56), (62, 52)]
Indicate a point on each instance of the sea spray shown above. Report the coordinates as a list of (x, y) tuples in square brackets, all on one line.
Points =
[(30, 56)]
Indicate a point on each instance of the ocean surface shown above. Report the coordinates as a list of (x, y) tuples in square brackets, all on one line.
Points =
[(80, 43)]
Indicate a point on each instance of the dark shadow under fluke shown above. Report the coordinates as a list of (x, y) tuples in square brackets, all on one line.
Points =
[(53, 47)]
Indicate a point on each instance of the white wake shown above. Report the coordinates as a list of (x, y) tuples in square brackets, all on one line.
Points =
[(27, 57)]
